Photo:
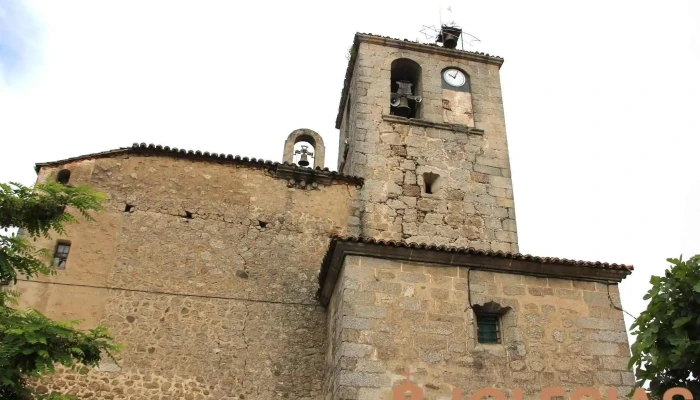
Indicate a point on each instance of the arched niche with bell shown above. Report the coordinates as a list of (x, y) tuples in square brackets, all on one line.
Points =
[(305, 148)]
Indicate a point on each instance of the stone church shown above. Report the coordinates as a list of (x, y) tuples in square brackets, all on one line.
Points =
[(230, 277)]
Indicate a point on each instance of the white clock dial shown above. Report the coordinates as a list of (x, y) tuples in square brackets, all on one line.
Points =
[(454, 77)]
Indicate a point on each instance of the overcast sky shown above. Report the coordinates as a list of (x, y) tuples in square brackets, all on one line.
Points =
[(602, 99)]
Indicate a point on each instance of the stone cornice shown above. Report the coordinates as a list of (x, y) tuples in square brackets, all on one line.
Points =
[(430, 48), (428, 124)]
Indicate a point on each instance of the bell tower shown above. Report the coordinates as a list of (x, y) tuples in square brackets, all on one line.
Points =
[(424, 126)]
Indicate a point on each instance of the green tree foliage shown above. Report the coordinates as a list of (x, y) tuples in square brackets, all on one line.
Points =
[(667, 350), (30, 343)]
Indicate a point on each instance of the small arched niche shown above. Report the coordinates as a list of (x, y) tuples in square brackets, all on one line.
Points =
[(406, 88), (302, 142), (63, 176)]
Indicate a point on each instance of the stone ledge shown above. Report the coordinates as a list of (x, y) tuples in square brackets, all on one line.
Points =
[(437, 125)]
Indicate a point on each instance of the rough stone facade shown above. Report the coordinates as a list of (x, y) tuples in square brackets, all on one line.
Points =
[(387, 317), (215, 306), (206, 266), (473, 205)]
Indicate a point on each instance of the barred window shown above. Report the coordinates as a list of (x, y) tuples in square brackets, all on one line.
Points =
[(488, 328), (61, 254)]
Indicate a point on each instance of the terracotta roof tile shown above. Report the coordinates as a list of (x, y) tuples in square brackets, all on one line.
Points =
[(156, 149), (501, 254), (617, 269)]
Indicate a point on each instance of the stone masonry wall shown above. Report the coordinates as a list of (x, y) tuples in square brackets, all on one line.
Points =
[(397, 317), (218, 305), (473, 205)]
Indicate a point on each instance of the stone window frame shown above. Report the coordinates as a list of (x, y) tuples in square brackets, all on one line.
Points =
[(506, 318)]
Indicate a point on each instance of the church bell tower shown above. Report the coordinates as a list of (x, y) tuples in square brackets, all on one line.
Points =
[(424, 126)]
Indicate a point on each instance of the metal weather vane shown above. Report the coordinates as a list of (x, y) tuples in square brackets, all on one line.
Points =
[(448, 32)]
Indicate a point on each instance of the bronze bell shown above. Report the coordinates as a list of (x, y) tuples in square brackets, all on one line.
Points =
[(402, 109), (449, 36), (304, 160)]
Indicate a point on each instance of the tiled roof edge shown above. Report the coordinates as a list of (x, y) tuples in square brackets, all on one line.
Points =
[(143, 148), (599, 271)]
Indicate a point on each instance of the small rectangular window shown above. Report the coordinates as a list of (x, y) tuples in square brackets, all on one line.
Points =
[(431, 182), (60, 256), (488, 328)]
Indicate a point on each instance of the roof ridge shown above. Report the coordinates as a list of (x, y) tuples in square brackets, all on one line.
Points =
[(141, 148)]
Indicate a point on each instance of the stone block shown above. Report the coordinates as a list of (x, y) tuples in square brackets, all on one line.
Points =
[(596, 323), (411, 190), (560, 283), (412, 277), (477, 276), (484, 169), (428, 205), (357, 323), (602, 349), (535, 281), (596, 298), (540, 291), (500, 182), (433, 218), (512, 290), (509, 225), (584, 285), (366, 311), (608, 377), (381, 287), (355, 350), (568, 294), (608, 336), (505, 236), (440, 294), (628, 378), (363, 379), (412, 303)]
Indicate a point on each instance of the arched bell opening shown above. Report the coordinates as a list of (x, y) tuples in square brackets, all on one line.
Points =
[(304, 148), (406, 88)]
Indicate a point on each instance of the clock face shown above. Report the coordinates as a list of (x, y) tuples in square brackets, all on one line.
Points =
[(454, 77)]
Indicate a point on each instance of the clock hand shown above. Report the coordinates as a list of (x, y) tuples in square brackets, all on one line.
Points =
[(454, 76)]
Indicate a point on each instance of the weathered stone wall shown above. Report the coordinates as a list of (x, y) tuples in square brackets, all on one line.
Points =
[(218, 305), (473, 206), (397, 317)]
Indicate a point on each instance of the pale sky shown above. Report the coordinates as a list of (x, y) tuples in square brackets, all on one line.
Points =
[(601, 99)]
